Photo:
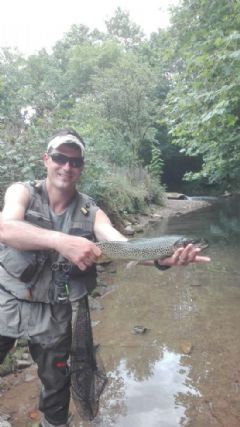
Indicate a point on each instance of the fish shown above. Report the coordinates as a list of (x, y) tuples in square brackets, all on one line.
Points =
[(147, 248)]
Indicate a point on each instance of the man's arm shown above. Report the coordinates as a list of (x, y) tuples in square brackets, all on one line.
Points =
[(104, 230), (15, 232)]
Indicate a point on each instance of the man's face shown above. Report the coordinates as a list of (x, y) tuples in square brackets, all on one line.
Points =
[(63, 176)]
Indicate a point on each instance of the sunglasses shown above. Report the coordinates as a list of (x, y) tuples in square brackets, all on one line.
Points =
[(61, 159)]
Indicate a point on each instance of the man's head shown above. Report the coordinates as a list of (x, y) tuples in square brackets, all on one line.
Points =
[(69, 137), (64, 159)]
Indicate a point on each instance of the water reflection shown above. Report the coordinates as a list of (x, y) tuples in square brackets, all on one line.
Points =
[(219, 222), (153, 401)]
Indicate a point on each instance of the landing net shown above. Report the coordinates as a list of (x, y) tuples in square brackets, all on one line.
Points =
[(88, 374)]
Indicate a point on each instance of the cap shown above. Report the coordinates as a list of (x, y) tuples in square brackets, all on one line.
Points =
[(66, 139)]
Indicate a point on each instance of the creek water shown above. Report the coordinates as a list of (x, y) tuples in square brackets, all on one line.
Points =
[(184, 370)]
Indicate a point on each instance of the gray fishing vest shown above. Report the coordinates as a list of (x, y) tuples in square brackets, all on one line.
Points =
[(28, 275)]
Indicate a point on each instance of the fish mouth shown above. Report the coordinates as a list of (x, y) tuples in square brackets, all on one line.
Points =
[(195, 241)]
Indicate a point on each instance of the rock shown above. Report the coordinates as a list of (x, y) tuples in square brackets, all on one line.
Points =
[(177, 196), (139, 228), (22, 364), (100, 290), (25, 356), (100, 268), (95, 293), (156, 216), (5, 370), (21, 342), (104, 260), (186, 347), (28, 377), (95, 323), (129, 230), (34, 416), (139, 330), (94, 304), (153, 221)]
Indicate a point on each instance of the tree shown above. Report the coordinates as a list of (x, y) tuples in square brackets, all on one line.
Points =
[(126, 95), (203, 109), (121, 29), (156, 165), (11, 83)]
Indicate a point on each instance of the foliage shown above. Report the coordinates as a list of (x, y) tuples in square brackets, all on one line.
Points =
[(203, 104), (119, 190), (11, 82), (138, 102), (121, 29), (156, 165), (18, 162), (126, 95)]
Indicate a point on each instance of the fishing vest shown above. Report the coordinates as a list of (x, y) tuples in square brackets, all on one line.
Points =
[(28, 275)]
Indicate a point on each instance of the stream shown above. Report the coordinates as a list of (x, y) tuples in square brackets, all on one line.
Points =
[(184, 370)]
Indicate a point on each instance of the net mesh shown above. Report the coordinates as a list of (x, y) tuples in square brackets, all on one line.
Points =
[(88, 374)]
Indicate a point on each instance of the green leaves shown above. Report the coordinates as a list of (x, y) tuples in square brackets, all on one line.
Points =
[(99, 84), (121, 29), (156, 165), (203, 104), (137, 102)]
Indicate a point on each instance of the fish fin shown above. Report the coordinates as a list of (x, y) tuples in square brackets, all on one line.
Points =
[(103, 259), (131, 264)]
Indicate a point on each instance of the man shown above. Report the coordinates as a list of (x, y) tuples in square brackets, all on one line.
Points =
[(45, 228)]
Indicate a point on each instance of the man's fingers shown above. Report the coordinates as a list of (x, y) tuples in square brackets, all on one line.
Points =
[(187, 255), (190, 254), (177, 255), (79, 250), (202, 259), (97, 252)]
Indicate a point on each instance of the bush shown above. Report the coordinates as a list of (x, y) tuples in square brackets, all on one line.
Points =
[(119, 191)]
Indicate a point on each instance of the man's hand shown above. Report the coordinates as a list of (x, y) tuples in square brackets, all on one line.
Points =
[(185, 256), (80, 251)]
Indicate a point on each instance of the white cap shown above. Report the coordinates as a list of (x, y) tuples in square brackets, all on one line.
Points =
[(66, 139)]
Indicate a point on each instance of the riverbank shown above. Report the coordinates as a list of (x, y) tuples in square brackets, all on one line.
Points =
[(178, 207), (171, 208)]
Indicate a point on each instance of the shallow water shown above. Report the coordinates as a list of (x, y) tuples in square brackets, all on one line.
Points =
[(195, 310)]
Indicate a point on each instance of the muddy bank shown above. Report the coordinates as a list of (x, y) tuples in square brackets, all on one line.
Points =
[(171, 208), (178, 207)]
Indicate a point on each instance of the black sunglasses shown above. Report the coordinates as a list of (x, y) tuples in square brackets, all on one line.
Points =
[(61, 159)]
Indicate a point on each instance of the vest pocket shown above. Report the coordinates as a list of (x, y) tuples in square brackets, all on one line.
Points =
[(21, 265)]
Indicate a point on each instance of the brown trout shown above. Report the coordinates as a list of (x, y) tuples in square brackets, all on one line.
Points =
[(147, 248)]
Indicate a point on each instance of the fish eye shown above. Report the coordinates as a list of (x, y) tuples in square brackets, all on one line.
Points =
[(184, 242)]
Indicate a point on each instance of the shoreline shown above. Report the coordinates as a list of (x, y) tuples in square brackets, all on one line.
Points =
[(174, 207), (133, 224)]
